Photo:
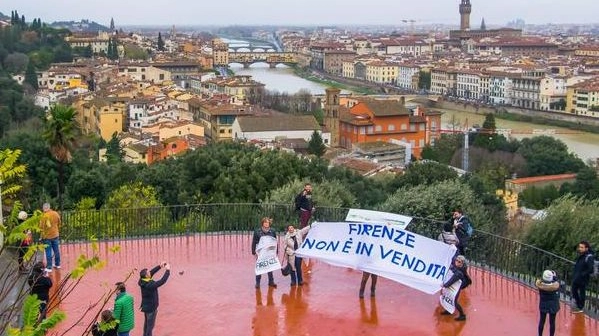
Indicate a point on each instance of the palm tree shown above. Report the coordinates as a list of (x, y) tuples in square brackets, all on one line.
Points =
[(60, 131)]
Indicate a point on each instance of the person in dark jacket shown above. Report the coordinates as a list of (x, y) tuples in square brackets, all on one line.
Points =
[(40, 285), (149, 294), (460, 224), (305, 205), (548, 288), (107, 326), (583, 268), (263, 230), (460, 272)]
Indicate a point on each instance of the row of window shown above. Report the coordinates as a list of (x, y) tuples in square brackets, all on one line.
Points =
[(379, 128)]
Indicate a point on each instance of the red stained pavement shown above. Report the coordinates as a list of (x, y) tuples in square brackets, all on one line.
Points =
[(211, 292)]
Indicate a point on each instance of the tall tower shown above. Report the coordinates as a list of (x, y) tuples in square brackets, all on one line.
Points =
[(465, 10), (331, 114)]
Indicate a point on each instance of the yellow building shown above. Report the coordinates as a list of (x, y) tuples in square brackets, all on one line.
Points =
[(583, 98), (168, 130), (111, 120), (100, 116), (381, 72), (220, 52)]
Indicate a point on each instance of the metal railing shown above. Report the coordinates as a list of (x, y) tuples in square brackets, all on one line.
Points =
[(520, 262)]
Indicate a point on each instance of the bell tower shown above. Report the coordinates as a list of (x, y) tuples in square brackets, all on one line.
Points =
[(331, 114), (465, 10)]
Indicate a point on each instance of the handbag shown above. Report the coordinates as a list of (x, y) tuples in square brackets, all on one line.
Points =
[(286, 270)]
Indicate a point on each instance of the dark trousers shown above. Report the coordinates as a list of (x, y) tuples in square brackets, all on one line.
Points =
[(271, 279), (542, 319), (296, 276), (365, 276), (22, 251), (149, 322), (304, 217), (457, 303), (579, 294)]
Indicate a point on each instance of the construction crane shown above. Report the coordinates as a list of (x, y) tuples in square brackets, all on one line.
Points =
[(499, 131), (411, 22)]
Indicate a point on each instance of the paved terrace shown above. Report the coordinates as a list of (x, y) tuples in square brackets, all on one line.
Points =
[(211, 292)]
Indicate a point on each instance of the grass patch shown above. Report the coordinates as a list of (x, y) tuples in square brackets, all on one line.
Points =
[(331, 83)]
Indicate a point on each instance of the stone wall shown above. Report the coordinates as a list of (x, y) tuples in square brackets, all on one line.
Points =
[(473, 108)]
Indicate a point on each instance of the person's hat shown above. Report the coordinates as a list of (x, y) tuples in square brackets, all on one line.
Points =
[(143, 272), (548, 275)]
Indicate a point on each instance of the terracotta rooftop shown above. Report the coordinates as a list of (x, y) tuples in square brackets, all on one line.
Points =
[(546, 178)]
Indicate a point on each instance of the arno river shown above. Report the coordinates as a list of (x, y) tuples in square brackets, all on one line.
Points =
[(282, 79)]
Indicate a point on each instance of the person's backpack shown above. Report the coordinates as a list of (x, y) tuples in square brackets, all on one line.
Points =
[(595, 273), (468, 226)]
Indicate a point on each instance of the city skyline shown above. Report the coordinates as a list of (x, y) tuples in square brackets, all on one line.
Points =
[(307, 12)]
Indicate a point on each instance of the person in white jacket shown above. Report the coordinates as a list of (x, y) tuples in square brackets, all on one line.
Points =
[(293, 240)]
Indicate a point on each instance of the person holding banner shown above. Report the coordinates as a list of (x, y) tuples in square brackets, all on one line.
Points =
[(293, 240), (365, 276), (460, 274), (264, 231)]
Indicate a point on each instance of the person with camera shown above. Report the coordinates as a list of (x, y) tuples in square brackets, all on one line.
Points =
[(149, 294), (305, 205), (548, 287)]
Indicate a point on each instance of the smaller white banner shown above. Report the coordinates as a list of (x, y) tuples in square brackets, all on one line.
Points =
[(360, 215), (267, 255), (447, 297)]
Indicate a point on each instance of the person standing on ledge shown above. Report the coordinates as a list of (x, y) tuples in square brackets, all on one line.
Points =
[(305, 205)]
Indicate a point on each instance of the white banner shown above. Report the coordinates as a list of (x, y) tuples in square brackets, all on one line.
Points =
[(359, 215), (267, 260), (447, 297), (382, 249)]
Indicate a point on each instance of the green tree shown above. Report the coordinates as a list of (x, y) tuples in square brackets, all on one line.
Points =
[(114, 153), (326, 194), (31, 76), (11, 173), (546, 155), (316, 146), (132, 195), (586, 184), (424, 173), (424, 80), (538, 197), (160, 42), (60, 132), (568, 220), (437, 201)]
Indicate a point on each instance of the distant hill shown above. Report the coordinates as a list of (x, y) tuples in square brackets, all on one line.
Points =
[(80, 26)]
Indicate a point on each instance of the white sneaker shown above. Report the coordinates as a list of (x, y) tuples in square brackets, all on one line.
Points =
[(48, 270), (57, 266)]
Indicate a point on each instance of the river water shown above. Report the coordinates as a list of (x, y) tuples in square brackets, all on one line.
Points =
[(282, 79)]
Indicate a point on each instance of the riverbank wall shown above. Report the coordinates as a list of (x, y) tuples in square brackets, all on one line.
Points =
[(544, 117)]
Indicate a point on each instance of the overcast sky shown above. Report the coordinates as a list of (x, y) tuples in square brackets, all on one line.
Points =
[(306, 12)]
